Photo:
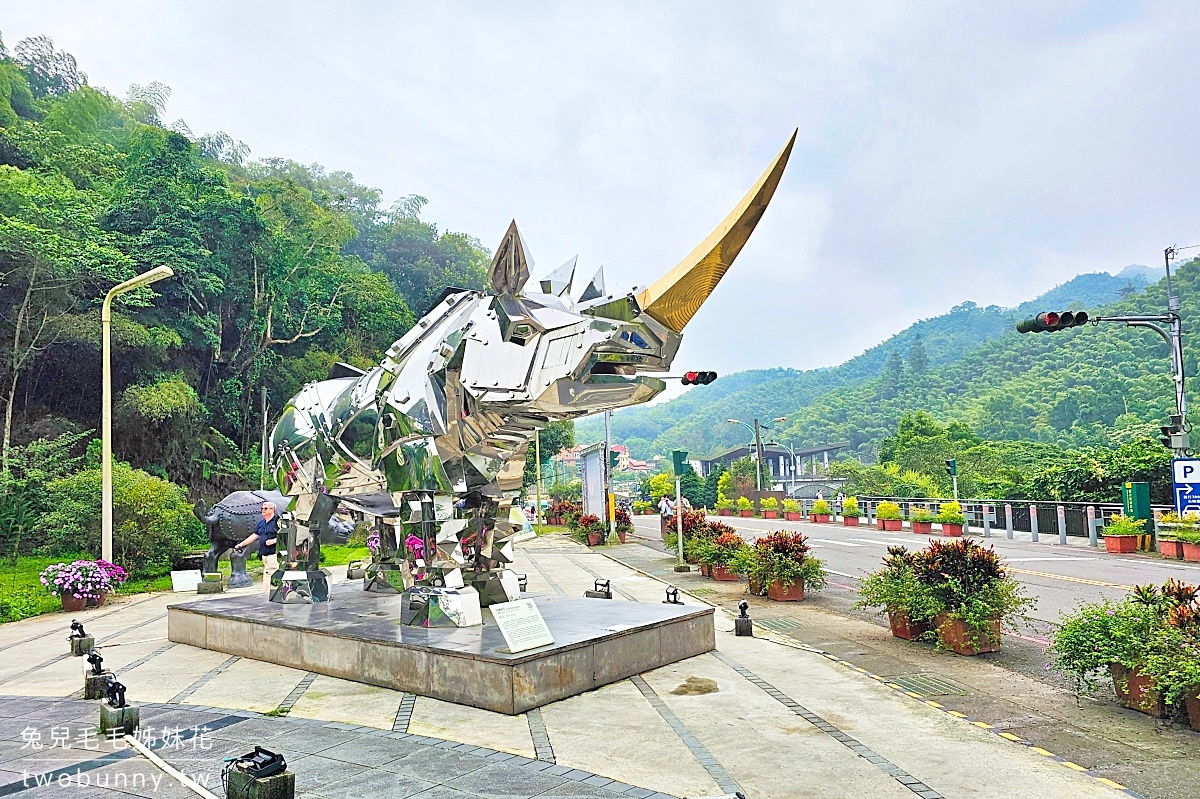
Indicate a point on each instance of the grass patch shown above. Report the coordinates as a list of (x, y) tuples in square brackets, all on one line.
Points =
[(546, 529), (341, 554)]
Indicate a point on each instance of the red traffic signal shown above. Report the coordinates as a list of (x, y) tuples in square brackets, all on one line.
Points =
[(1050, 321), (698, 378)]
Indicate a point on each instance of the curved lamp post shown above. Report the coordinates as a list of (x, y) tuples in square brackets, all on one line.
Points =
[(106, 486)]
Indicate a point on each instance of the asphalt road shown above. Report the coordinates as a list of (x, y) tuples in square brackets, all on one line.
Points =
[(1059, 576)]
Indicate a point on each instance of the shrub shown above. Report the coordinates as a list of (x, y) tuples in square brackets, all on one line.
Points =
[(921, 515), (152, 519), (888, 510), (850, 508), (624, 521), (1123, 525), (744, 504), (1152, 628), (951, 513), (781, 559), (791, 506), (82, 579), (724, 503), (820, 508), (721, 550), (768, 503), (969, 583), (895, 588), (641, 506)]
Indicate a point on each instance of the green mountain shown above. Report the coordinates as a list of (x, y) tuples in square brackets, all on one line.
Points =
[(948, 365)]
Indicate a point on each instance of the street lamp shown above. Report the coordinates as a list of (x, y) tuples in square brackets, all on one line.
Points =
[(792, 452), (758, 450), (106, 486)]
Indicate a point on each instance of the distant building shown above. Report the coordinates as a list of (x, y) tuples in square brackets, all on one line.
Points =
[(810, 461)]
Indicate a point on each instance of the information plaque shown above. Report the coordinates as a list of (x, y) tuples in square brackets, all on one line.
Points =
[(522, 625)]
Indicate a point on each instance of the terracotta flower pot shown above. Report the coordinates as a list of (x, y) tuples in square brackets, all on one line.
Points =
[(1191, 552), (890, 524), (793, 516), (955, 635), (794, 594), (820, 518), (621, 535), (71, 604), (1170, 549), (593, 539), (98, 601), (1136, 691), (850, 521), (1120, 543), (922, 528), (1192, 703), (746, 514), (952, 530), (770, 514), (754, 587), (705, 570), (904, 627), (724, 511), (720, 574)]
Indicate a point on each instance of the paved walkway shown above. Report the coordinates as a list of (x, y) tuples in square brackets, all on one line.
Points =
[(783, 720)]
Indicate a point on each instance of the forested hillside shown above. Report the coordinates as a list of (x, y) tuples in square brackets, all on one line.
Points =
[(862, 399), (281, 270)]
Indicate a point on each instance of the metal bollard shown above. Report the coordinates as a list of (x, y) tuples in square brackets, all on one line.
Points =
[(1033, 527), (1093, 536), (523, 582), (672, 596), (1008, 523), (1062, 525)]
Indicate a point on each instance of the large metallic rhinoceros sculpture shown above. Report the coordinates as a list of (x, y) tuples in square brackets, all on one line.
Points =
[(431, 443)]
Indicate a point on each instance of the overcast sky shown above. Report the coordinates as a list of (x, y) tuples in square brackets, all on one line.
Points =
[(947, 152)]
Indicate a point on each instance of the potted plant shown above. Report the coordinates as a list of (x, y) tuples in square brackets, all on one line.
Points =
[(782, 563), (745, 507), (724, 506), (792, 510), (718, 554), (894, 589), (592, 528), (1169, 545), (1121, 534), (624, 524), (850, 512), (888, 516), (642, 508), (972, 592), (820, 512), (1127, 642), (697, 532), (80, 583), (951, 517), (745, 561), (1189, 543), (769, 507), (1173, 662), (922, 521)]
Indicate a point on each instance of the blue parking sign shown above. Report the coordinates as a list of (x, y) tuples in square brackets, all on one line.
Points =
[(1185, 472)]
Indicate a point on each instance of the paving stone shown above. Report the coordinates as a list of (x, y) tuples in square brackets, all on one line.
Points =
[(376, 783), (370, 751), (311, 740), (316, 773), (433, 764), (502, 780)]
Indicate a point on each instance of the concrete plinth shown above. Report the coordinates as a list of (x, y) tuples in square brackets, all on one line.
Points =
[(357, 635), (94, 684), (209, 587), (82, 646), (126, 719), (278, 786)]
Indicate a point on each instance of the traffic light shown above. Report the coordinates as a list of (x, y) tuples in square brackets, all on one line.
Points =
[(952, 467), (1174, 436), (698, 378), (614, 458), (1052, 320), (679, 459)]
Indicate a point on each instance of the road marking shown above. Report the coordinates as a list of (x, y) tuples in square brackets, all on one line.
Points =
[(1073, 579), (1029, 560), (843, 574), (838, 543)]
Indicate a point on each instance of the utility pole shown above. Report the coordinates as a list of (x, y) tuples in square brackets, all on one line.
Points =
[(758, 451), (610, 500)]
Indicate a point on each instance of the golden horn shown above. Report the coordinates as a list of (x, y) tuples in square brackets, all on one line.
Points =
[(675, 297)]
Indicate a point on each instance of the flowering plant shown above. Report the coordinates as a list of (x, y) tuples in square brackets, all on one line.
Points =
[(373, 542), (415, 545), (116, 575), (83, 579)]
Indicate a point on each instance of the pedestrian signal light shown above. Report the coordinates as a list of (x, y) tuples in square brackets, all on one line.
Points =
[(698, 378), (952, 467), (614, 459), (679, 459), (1174, 435), (1051, 321)]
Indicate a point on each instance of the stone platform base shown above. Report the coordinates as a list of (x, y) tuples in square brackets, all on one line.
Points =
[(357, 636)]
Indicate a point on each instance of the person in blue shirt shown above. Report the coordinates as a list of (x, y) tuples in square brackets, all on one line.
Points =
[(264, 534)]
